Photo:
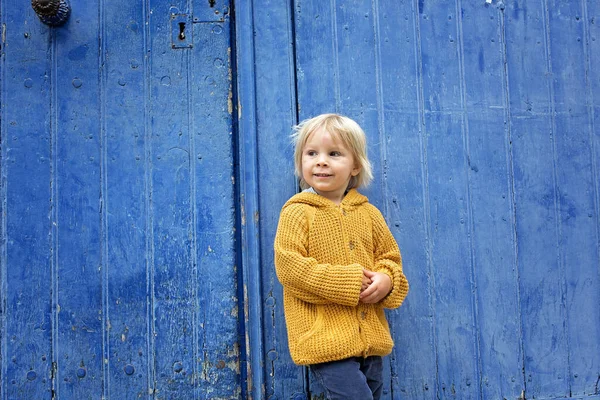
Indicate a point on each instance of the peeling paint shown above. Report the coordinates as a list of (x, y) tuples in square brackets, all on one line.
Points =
[(246, 317), (242, 210)]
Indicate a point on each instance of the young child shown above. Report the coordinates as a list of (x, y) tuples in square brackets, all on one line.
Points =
[(337, 261)]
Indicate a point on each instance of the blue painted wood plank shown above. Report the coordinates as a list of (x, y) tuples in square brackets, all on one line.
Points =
[(245, 118), (591, 14), (450, 213), (441, 88), (413, 360), (356, 47), (174, 276), (275, 68), (77, 178), (544, 340), (539, 259), (26, 270), (482, 55), (213, 180), (577, 200), (3, 194), (125, 198), (451, 258), (592, 53), (592, 40), (316, 50), (491, 197), (497, 293)]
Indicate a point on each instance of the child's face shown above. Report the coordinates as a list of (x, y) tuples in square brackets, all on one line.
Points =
[(327, 165)]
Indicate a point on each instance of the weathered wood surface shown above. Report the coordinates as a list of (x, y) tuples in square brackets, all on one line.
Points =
[(141, 186), (119, 275), (482, 121)]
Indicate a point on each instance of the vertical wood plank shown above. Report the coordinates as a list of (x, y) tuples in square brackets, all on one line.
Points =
[(213, 200), (450, 214), (174, 273), (592, 54), (490, 181), (538, 257), (125, 198), (3, 194), (79, 233), (316, 51), (275, 68), (26, 267), (577, 199), (413, 360), (591, 12), (245, 118)]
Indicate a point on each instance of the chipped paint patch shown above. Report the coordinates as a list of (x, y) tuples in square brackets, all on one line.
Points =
[(242, 210)]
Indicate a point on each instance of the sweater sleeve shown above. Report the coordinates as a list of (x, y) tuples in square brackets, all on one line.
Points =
[(303, 276), (388, 260)]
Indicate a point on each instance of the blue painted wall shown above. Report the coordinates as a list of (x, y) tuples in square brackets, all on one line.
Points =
[(141, 186)]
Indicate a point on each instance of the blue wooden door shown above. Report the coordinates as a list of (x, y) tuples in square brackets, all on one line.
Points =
[(482, 121), (118, 265)]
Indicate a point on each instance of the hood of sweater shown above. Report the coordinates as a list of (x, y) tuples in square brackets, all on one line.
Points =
[(352, 200)]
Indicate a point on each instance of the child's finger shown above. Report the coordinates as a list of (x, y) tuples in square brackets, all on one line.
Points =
[(373, 298), (368, 291), (368, 274)]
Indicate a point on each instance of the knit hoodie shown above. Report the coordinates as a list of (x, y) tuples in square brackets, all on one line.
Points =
[(320, 251)]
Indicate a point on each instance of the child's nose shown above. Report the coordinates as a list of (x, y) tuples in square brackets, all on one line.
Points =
[(322, 160)]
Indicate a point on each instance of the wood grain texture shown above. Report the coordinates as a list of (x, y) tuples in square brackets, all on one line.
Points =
[(26, 170), (275, 69), (468, 118), (119, 263), (141, 186)]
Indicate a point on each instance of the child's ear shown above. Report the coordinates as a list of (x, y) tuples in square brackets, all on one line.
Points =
[(356, 170)]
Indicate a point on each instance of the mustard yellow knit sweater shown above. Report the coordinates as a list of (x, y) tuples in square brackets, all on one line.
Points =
[(320, 251)]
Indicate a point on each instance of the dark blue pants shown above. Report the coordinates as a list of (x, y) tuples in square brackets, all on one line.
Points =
[(352, 378)]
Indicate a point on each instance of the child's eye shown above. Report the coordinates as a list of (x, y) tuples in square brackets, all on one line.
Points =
[(311, 153), (335, 154)]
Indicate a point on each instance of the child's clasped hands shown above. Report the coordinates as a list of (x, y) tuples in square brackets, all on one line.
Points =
[(375, 286)]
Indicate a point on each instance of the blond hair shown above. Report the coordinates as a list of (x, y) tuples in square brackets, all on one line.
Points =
[(342, 128)]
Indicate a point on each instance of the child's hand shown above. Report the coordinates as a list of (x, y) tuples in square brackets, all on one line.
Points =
[(380, 286), (366, 282)]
